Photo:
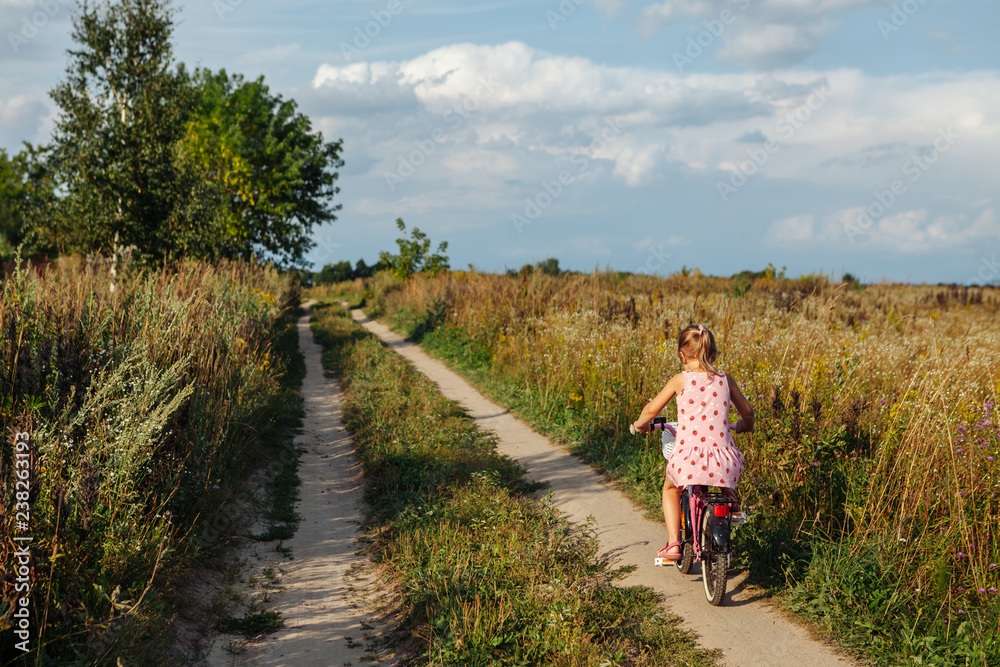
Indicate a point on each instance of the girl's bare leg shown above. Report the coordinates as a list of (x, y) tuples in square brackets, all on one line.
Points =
[(672, 512)]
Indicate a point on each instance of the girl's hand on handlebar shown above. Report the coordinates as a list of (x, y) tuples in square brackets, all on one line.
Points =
[(639, 429)]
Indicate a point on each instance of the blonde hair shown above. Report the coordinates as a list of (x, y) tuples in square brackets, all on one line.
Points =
[(697, 342)]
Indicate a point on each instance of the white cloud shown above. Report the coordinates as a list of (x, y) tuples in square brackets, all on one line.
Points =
[(498, 145), (796, 229), (516, 96), (772, 45), (758, 34), (634, 164), (513, 99), (916, 232), (529, 81), (657, 16)]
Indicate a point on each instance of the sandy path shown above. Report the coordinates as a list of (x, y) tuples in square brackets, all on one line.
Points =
[(323, 598), (749, 632)]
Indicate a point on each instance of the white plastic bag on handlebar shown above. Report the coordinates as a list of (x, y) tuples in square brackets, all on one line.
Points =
[(669, 438)]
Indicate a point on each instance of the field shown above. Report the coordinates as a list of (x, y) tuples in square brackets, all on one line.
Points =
[(872, 477), (144, 397)]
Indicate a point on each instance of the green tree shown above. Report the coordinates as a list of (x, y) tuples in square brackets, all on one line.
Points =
[(12, 227), (27, 204), (123, 108), (145, 153), (362, 270), (413, 254), (335, 273), (275, 177)]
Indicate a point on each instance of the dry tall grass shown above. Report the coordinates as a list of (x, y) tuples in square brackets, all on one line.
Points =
[(875, 405), (143, 395)]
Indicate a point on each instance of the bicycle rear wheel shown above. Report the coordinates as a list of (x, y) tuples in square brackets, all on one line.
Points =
[(713, 565)]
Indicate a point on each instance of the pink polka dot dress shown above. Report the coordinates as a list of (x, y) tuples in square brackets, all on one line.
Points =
[(705, 452)]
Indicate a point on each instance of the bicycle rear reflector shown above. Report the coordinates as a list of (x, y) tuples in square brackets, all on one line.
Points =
[(722, 510)]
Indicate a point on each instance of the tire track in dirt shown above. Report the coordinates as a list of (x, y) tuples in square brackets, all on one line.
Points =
[(327, 587), (749, 632)]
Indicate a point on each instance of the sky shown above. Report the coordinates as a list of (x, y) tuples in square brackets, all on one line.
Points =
[(831, 136)]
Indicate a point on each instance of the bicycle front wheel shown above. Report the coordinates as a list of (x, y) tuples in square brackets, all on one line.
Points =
[(687, 548), (687, 558)]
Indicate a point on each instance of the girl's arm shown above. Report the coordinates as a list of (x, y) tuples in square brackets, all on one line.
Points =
[(745, 424), (655, 406)]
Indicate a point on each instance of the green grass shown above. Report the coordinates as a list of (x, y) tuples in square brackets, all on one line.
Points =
[(899, 569), (250, 624), (487, 575), (150, 397), (850, 595)]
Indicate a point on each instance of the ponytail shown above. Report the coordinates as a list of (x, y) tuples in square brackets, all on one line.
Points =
[(697, 342)]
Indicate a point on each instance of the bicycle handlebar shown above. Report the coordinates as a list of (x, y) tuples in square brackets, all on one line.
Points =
[(658, 424)]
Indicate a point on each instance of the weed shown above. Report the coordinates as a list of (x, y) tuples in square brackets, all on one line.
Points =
[(149, 396), (250, 624), (876, 424)]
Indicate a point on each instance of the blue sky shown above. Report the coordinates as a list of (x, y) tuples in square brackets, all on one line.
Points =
[(821, 135)]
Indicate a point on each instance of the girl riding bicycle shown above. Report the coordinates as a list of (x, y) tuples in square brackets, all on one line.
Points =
[(705, 452)]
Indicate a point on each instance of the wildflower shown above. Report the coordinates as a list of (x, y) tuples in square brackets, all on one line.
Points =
[(960, 590), (961, 611), (994, 566), (990, 458), (959, 451), (992, 589), (215, 486), (982, 591), (961, 555), (815, 463)]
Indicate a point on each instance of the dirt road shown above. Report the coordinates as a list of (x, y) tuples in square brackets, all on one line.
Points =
[(749, 632), (323, 601)]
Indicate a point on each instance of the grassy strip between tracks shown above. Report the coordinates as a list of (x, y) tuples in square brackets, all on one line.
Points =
[(487, 575)]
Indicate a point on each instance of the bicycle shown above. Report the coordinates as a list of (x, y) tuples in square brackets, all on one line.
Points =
[(705, 536)]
